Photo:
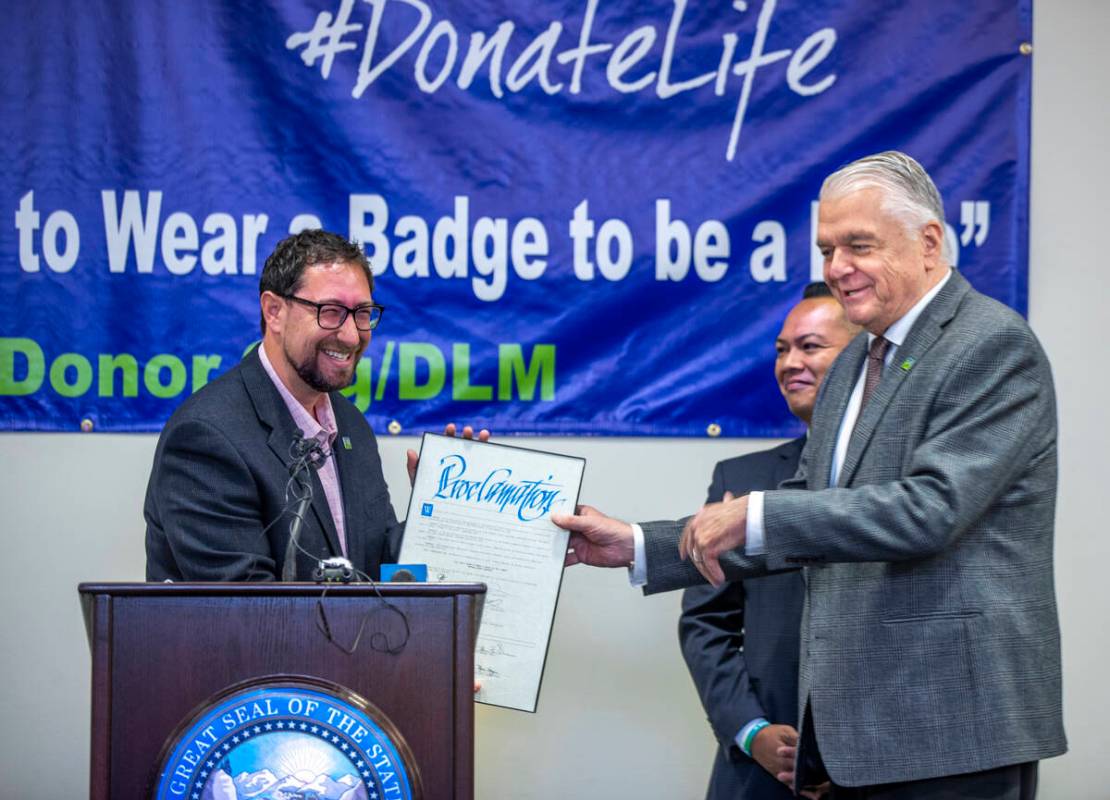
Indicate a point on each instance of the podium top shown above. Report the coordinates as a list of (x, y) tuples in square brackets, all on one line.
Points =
[(198, 590), (275, 589)]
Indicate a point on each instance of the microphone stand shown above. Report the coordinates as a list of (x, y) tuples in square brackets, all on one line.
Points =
[(309, 456)]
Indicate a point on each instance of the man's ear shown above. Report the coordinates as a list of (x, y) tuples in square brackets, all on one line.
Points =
[(932, 243), (272, 306)]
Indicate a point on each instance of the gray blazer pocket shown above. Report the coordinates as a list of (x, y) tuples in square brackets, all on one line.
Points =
[(932, 616)]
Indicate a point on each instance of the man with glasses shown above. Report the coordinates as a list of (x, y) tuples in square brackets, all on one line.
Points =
[(218, 505)]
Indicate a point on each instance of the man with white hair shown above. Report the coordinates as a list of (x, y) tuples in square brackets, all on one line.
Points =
[(922, 514)]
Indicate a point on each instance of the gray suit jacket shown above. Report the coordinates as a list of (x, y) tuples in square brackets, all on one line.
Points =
[(740, 640), (930, 642), (215, 502)]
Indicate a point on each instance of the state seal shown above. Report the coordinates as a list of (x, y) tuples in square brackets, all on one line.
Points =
[(284, 739)]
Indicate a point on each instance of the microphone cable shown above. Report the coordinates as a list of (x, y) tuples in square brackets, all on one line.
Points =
[(308, 455), (379, 640)]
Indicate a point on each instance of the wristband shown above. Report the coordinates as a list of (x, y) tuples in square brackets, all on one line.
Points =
[(746, 745)]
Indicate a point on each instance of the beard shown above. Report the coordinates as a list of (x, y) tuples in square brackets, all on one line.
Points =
[(308, 369)]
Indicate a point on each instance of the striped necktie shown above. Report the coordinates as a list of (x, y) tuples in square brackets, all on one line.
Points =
[(875, 356)]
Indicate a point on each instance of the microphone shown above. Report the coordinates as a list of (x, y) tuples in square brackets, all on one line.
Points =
[(306, 453), (308, 456), (334, 570)]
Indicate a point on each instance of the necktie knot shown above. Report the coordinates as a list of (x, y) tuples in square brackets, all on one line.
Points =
[(876, 353), (877, 350)]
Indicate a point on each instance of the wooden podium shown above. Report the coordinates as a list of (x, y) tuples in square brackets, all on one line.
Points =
[(162, 651)]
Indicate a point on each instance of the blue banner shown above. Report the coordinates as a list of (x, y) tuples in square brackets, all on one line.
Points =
[(583, 217)]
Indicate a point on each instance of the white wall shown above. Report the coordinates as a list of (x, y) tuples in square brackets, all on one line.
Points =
[(1069, 304), (617, 714)]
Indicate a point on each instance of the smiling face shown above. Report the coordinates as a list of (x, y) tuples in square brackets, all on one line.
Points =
[(876, 268), (811, 338), (308, 359)]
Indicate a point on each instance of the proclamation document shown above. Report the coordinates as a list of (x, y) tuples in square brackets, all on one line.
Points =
[(482, 512)]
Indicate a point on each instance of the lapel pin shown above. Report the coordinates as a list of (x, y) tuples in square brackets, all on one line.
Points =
[(907, 364), (346, 443)]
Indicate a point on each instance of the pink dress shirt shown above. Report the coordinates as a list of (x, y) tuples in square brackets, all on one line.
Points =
[(324, 431)]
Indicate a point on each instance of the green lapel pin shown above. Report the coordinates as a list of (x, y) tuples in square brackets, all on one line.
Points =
[(346, 443), (907, 364)]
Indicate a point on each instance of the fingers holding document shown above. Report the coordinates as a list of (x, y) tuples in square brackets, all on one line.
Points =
[(714, 530), (467, 432), (596, 539), (599, 540)]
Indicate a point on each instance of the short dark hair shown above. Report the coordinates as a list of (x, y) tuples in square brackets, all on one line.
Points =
[(284, 269), (816, 289)]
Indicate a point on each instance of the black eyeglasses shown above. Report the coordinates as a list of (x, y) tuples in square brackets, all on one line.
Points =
[(331, 316)]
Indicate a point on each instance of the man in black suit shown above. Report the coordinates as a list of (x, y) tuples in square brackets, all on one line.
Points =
[(220, 497), (740, 641)]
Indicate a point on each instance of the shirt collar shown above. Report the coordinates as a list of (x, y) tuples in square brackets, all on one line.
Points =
[(896, 334), (324, 430)]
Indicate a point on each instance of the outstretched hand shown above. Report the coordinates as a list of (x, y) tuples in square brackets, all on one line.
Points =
[(596, 539), (715, 529), (412, 458)]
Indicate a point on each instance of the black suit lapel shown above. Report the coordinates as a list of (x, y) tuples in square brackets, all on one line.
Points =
[(926, 330), (324, 519), (789, 456), (346, 467), (272, 412)]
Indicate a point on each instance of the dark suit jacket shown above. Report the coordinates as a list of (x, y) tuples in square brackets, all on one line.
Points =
[(215, 503), (930, 638), (741, 641)]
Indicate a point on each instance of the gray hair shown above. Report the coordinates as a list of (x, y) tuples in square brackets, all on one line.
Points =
[(908, 191)]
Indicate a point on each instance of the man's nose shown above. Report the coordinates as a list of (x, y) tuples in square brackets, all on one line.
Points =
[(348, 332), (837, 265)]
